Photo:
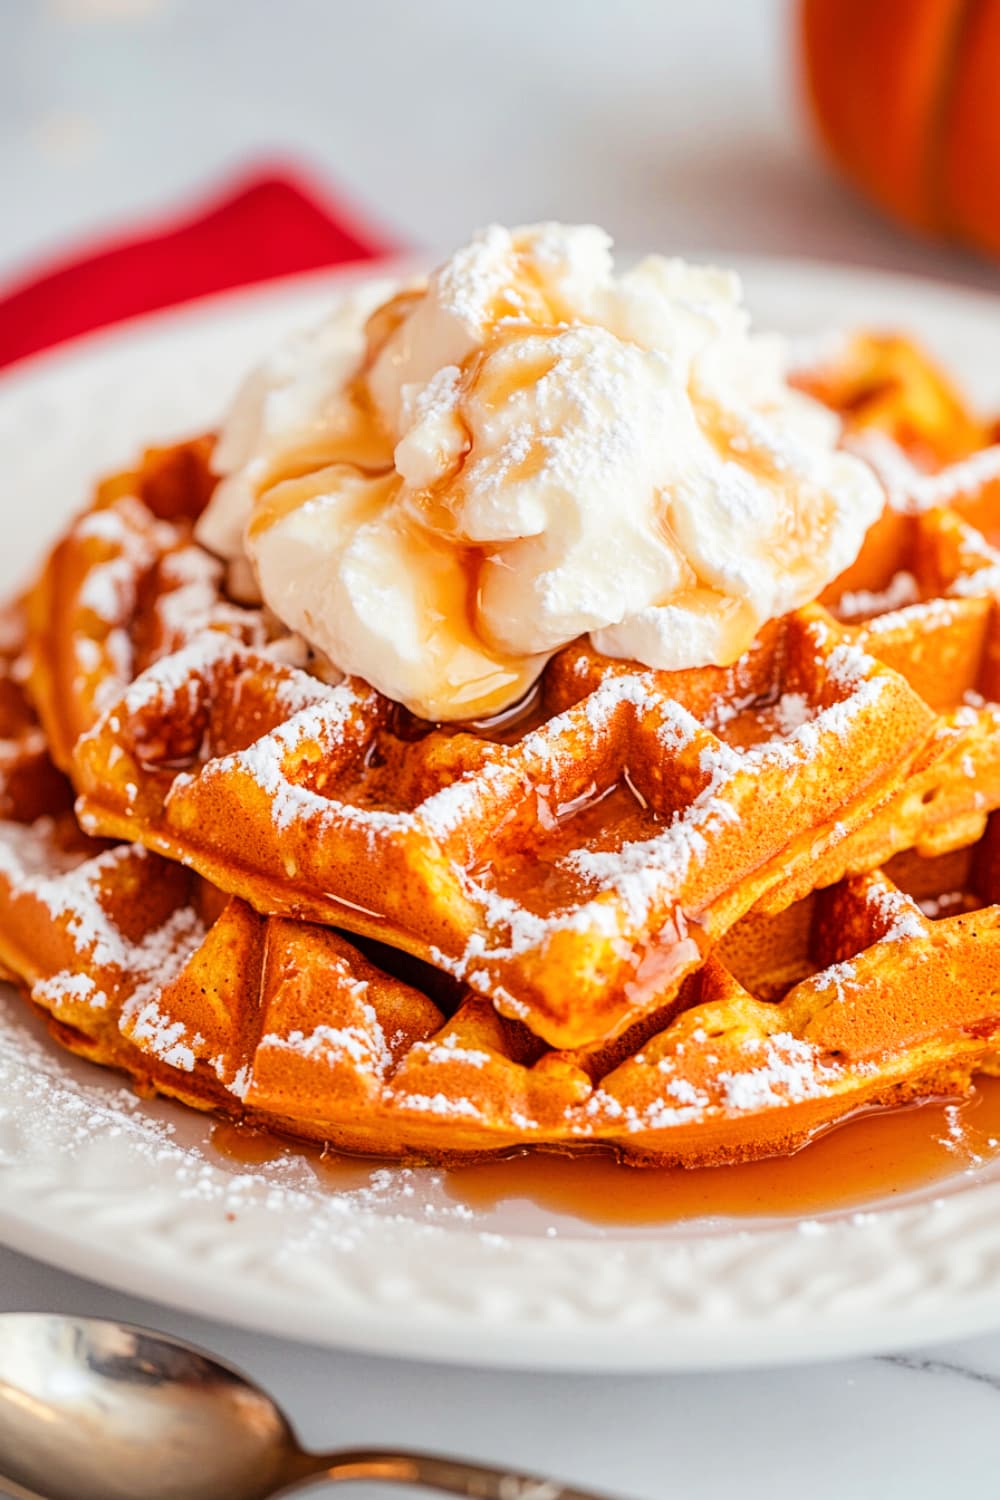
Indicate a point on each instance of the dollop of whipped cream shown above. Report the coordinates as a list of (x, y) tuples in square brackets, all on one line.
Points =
[(440, 488)]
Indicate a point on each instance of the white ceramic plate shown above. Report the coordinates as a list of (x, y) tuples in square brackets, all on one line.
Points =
[(134, 1194)]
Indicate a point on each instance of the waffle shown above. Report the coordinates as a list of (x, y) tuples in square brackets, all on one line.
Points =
[(125, 587), (852, 998), (885, 383), (30, 785), (574, 867), (693, 917), (573, 870), (325, 802)]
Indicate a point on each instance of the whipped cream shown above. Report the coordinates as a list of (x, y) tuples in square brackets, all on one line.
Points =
[(440, 489)]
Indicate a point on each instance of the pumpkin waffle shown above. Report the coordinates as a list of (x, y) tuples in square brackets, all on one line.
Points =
[(885, 383), (573, 869), (575, 874), (123, 588), (30, 785), (198, 715), (881, 989)]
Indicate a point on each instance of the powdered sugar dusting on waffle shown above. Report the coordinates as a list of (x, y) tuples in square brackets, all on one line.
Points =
[(59, 988), (72, 893), (840, 978), (443, 1104), (900, 913), (790, 1070), (168, 1040), (912, 489), (848, 666), (677, 727), (852, 672), (516, 930), (644, 872), (109, 588), (176, 674), (791, 711), (856, 604), (125, 524), (322, 722), (362, 1042), (639, 690), (69, 887), (450, 1050), (451, 808), (930, 613), (656, 1115), (364, 1046), (191, 602), (190, 579), (543, 750), (985, 581)]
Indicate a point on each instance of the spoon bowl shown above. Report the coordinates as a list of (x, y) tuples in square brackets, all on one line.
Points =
[(93, 1410)]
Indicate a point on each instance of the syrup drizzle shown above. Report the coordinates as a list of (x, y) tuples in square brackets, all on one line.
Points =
[(875, 1156)]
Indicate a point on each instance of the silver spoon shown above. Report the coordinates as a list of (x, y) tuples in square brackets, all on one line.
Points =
[(93, 1410)]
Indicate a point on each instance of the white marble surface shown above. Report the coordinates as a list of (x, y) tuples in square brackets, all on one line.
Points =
[(674, 125)]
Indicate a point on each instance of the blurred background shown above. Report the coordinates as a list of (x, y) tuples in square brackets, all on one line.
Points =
[(676, 125)]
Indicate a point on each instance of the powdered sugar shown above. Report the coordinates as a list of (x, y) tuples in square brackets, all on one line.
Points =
[(983, 583), (910, 488), (362, 1046), (929, 614), (442, 1104), (108, 590), (809, 739), (847, 666), (450, 1050), (840, 978), (168, 1040), (902, 589), (79, 989), (791, 712), (790, 1071), (69, 890), (684, 1091), (898, 912)]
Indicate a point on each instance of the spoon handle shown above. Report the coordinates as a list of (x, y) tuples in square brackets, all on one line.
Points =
[(450, 1476)]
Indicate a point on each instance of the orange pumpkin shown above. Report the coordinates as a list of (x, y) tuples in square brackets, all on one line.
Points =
[(906, 94)]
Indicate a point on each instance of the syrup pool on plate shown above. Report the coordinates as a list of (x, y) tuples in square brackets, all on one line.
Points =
[(871, 1158)]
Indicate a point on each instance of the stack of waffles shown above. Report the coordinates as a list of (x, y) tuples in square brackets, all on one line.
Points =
[(693, 917)]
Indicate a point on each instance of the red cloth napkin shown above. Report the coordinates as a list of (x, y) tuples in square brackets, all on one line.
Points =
[(267, 225)]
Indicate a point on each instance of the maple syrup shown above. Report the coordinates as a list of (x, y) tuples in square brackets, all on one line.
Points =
[(874, 1156)]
